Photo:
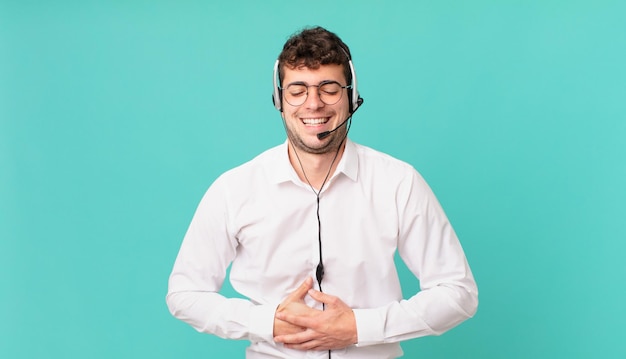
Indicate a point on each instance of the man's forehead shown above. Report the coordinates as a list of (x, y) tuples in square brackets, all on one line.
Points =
[(330, 70), (313, 76)]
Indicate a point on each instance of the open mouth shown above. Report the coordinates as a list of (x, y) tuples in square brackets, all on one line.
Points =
[(315, 121)]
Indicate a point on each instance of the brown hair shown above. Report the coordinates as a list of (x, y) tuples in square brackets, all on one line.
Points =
[(312, 47)]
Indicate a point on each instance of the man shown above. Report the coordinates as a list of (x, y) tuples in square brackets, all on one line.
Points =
[(311, 228)]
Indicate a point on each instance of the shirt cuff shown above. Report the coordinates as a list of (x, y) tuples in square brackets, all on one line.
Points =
[(370, 325), (262, 323)]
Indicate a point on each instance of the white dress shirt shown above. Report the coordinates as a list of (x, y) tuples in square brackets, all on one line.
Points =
[(262, 218)]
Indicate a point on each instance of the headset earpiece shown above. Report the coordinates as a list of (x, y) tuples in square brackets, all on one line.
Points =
[(354, 98), (277, 97)]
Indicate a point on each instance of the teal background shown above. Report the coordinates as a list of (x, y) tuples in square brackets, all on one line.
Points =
[(116, 116)]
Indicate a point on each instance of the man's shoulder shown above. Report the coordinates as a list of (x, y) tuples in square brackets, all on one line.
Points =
[(383, 169), (371, 157), (257, 165)]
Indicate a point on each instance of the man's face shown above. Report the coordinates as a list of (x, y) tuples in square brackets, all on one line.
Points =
[(304, 122)]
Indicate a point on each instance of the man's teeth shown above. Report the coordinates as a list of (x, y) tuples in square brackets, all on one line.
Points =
[(313, 121)]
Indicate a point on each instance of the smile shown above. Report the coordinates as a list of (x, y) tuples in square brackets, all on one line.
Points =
[(315, 121)]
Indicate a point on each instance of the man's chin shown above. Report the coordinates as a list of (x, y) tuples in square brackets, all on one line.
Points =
[(318, 147)]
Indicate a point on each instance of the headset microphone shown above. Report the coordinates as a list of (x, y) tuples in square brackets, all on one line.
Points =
[(323, 135)]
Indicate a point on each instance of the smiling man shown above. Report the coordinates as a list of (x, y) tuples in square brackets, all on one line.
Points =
[(311, 228)]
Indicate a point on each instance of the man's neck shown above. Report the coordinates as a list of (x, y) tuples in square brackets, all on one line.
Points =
[(312, 168)]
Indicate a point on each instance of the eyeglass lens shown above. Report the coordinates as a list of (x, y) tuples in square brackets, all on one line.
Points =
[(329, 93)]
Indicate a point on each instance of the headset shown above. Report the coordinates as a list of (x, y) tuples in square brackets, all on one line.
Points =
[(353, 96)]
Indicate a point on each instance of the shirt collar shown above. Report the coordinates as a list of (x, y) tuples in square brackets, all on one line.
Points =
[(281, 170), (349, 164)]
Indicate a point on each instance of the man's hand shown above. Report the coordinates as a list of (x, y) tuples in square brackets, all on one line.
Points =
[(293, 304), (333, 328)]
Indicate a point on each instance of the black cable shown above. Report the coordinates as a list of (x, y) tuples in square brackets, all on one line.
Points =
[(319, 271)]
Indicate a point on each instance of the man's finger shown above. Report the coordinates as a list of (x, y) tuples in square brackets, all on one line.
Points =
[(297, 338), (301, 291), (304, 321), (321, 297)]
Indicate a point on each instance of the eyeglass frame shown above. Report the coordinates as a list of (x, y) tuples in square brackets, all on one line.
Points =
[(319, 95)]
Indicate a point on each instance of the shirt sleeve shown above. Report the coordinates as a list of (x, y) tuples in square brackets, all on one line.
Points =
[(208, 248), (431, 250)]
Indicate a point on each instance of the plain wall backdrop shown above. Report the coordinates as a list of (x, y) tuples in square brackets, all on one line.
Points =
[(116, 116)]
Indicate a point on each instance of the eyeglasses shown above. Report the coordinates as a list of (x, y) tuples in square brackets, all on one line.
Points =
[(329, 92)]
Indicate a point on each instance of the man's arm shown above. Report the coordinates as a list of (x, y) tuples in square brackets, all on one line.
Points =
[(231, 318), (234, 318), (430, 312), (208, 248)]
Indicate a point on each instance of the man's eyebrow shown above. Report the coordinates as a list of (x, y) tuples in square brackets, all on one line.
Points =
[(323, 82), (298, 83)]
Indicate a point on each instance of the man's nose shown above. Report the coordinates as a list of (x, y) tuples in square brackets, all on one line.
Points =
[(313, 100)]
